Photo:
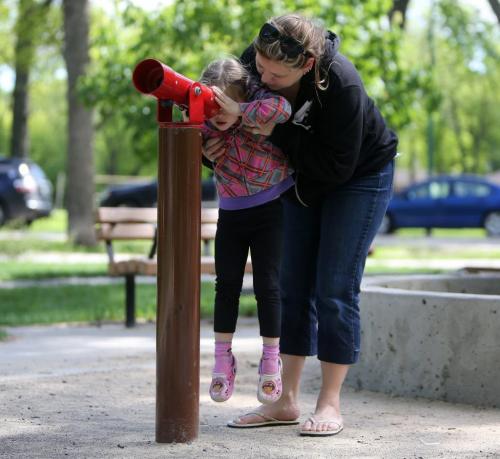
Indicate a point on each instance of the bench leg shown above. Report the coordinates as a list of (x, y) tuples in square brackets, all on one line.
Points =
[(130, 300), (206, 247)]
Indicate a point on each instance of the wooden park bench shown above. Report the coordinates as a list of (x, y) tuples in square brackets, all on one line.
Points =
[(139, 223)]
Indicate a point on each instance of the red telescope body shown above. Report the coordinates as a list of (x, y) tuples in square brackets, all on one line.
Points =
[(154, 78)]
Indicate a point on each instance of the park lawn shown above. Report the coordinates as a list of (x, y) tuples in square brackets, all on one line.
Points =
[(56, 222), (29, 244), (12, 268), (458, 233), (401, 251), (98, 303), (92, 303), (17, 270)]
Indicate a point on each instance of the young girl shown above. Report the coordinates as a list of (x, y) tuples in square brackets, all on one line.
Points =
[(251, 174)]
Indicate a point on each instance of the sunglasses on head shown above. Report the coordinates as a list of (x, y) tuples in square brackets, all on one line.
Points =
[(289, 46)]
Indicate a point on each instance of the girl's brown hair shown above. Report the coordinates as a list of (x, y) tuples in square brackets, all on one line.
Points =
[(309, 34), (225, 74)]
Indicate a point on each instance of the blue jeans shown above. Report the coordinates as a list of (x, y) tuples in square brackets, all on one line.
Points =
[(324, 253)]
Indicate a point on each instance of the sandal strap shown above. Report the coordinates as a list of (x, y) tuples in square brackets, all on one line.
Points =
[(257, 413), (313, 421), (273, 375), (219, 375)]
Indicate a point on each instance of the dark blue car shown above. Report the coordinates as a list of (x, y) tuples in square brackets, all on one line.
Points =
[(145, 194), (446, 202), (25, 191)]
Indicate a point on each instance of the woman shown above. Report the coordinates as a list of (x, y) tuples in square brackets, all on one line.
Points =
[(342, 153)]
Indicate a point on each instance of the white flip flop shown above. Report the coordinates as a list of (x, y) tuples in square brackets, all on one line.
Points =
[(266, 421)]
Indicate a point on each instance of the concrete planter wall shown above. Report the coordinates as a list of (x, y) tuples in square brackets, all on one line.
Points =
[(431, 336)]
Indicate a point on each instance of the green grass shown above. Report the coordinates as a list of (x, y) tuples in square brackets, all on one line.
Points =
[(3, 335), (395, 252), (95, 304), (15, 270), (56, 222), (30, 244), (443, 232)]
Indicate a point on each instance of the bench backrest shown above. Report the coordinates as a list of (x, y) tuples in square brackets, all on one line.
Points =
[(136, 223)]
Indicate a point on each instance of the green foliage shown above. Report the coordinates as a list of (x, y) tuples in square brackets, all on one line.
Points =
[(47, 121), (459, 90), (32, 29), (125, 120), (470, 110), (188, 34), (6, 21), (5, 117)]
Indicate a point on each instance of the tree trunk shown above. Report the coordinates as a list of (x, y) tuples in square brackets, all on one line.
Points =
[(457, 129), (495, 6), (398, 12), (80, 168), (478, 133), (30, 19), (19, 140)]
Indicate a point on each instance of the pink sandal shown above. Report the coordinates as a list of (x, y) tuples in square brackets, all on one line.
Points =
[(270, 387), (222, 385)]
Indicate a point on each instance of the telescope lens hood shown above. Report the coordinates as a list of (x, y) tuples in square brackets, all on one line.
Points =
[(148, 76)]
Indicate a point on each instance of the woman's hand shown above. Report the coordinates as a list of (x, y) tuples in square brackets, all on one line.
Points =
[(261, 129), (227, 104), (213, 149)]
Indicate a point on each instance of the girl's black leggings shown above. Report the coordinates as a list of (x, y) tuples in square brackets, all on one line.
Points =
[(260, 230)]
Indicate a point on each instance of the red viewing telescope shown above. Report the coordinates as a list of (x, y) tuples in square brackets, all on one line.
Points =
[(157, 79)]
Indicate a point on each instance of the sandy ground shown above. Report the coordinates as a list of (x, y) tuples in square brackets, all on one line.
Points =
[(89, 392)]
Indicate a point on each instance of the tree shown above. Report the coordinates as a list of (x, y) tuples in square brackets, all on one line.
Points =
[(29, 24), (398, 12), (188, 34), (80, 165), (458, 92)]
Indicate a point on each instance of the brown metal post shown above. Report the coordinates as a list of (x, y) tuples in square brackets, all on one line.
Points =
[(178, 292)]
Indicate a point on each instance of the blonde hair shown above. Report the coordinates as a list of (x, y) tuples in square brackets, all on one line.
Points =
[(225, 74), (309, 34)]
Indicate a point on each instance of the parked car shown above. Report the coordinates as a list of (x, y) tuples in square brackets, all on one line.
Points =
[(145, 194), (25, 191), (464, 201)]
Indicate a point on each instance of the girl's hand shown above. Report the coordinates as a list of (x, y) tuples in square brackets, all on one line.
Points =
[(226, 103), (213, 149), (261, 129)]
